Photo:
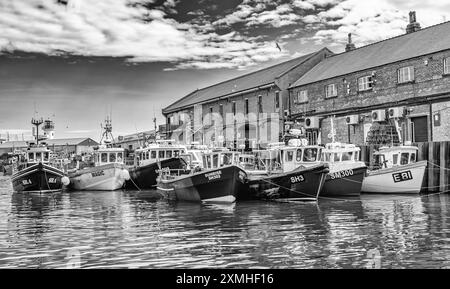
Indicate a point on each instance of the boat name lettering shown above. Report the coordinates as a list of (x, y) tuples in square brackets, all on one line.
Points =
[(341, 174), (98, 174), (52, 180), (297, 179), (214, 175), (26, 182), (402, 176)]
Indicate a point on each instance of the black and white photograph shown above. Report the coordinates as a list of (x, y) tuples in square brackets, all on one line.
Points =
[(251, 135)]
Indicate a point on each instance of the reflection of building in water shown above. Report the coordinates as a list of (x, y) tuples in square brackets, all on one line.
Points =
[(402, 224)]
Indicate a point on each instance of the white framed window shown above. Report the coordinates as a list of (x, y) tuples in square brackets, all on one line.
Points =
[(301, 97), (405, 74), (330, 90), (447, 65), (365, 83)]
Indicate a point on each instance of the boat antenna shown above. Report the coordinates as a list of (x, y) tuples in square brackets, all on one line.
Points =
[(37, 122)]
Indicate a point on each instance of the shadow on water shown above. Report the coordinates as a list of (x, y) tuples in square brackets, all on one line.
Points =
[(134, 229)]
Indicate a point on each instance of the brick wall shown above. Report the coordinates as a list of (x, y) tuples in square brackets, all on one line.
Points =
[(386, 92)]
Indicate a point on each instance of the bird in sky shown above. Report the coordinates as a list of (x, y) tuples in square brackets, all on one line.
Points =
[(278, 46)]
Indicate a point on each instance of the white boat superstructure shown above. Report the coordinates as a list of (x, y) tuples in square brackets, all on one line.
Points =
[(396, 171), (158, 151)]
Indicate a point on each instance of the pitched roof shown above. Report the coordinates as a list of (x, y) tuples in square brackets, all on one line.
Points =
[(239, 84), (425, 41), (11, 144)]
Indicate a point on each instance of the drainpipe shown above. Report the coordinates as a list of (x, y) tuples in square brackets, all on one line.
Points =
[(431, 121)]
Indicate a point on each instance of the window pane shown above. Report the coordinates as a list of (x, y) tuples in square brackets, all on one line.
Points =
[(176, 153), (168, 154), (413, 158), (337, 157), (147, 155), (404, 159), (45, 156), (161, 154), (289, 156), (153, 154), (299, 155), (104, 157), (310, 155), (112, 157), (215, 161), (347, 156), (38, 157), (119, 157), (395, 159), (447, 65), (30, 156)]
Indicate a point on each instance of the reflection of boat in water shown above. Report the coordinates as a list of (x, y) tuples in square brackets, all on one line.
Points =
[(397, 172), (38, 173)]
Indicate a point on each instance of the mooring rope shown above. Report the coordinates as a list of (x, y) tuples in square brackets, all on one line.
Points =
[(439, 167), (131, 179)]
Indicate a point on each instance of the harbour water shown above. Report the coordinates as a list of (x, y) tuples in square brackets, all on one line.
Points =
[(123, 229)]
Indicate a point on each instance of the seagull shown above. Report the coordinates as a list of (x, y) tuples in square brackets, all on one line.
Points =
[(278, 46)]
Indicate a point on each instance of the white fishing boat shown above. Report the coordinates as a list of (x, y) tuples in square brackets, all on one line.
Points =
[(396, 171), (108, 173)]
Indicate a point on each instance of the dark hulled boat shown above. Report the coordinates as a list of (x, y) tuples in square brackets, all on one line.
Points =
[(347, 182), (222, 185), (145, 177), (36, 174), (149, 161)]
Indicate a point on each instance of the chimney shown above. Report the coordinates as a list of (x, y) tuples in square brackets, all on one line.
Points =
[(350, 46), (413, 25)]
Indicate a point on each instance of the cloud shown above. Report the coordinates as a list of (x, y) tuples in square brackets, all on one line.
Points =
[(119, 29)]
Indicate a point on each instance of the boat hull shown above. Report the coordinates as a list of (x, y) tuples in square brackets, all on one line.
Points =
[(38, 178), (347, 182), (301, 183), (145, 177), (406, 179), (223, 185), (107, 177)]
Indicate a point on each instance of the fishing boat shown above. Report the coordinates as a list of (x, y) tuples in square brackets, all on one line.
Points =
[(346, 172), (272, 174), (396, 171), (220, 181), (148, 162), (37, 174), (108, 172)]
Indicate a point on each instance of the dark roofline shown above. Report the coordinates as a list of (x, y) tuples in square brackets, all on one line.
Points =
[(306, 57), (375, 43), (309, 57)]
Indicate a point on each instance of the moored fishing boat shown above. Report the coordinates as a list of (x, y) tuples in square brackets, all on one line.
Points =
[(219, 181), (150, 160), (396, 171), (270, 178), (108, 172), (37, 174)]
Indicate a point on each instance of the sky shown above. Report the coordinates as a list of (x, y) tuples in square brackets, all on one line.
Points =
[(78, 60)]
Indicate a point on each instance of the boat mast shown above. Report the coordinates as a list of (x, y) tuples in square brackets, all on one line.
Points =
[(37, 122)]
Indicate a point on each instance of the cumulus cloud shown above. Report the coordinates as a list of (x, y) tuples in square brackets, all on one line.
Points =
[(120, 29)]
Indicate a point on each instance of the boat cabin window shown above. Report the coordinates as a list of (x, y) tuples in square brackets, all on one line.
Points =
[(161, 154), (326, 157), (404, 158), (337, 157), (153, 154), (215, 159), (347, 156), (310, 155), (298, 157), (394, 159), (104, 157), (38, 157), (289, 156), (31, 157), (413, 158), (168, 154), (112, 157), (176, 154), (227, 159), (46, 156), (119, 157)]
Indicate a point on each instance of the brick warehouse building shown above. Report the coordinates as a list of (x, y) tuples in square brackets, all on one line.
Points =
[(402, 82), (240, 111)]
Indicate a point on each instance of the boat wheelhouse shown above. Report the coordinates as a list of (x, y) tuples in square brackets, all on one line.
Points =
[(395, 171), (159, 151)]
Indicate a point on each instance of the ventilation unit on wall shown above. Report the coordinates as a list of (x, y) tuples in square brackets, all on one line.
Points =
[(378, 115), (352, 119), (312, 122), (396, 112)]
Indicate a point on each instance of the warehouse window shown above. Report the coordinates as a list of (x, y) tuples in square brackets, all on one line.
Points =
[(302, 96), (260, 104), (330, 90), (447, 65), (405, 74), (365, 83), (246, 106), (277, 100), (233, 108)]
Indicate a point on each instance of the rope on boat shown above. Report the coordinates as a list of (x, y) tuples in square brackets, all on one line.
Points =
[(439, 167), (131, 179)]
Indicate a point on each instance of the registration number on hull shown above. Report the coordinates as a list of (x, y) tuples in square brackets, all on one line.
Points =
[(297, 179), (98, 174), (341, 174), (402, 176)]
